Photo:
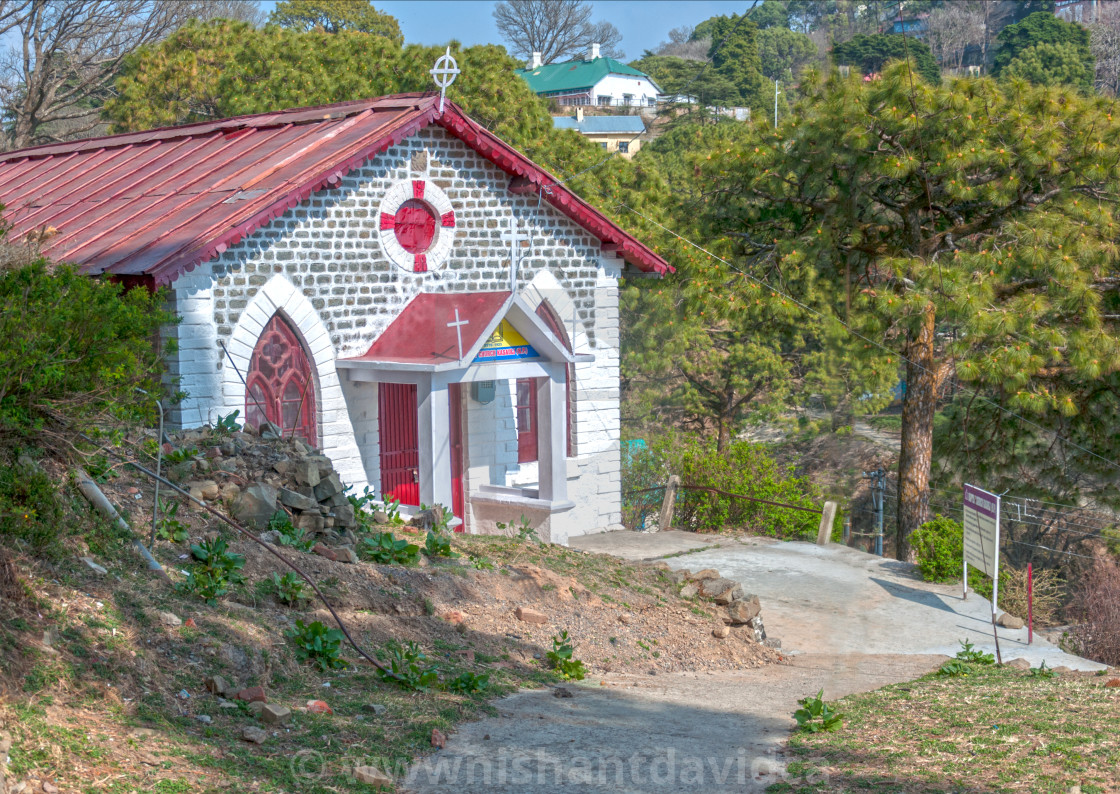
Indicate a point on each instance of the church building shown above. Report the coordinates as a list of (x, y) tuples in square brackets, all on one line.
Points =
[(385, 278)]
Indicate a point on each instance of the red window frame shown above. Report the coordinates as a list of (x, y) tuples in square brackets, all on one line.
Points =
[(552, 321), (281, 386), (525, 409)]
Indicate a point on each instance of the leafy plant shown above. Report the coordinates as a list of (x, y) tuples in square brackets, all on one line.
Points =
[(168, 526), (480, 563), (1042, 671), (954, 668), (561, 658), (74, 347), (939, 548), (227, 424), (741, 468), (288, 588), (366, 503), (297, 538), (382, 547), (30, 506), (216, 569), (438, 545), (408, 667), (468, 683), (971, 655), (816, 715), (316, 643), (181, 455)]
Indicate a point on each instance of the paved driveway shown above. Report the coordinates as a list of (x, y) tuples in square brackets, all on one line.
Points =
[(849, 621)]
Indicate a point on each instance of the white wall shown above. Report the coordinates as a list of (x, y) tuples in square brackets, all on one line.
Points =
[(617, 85)]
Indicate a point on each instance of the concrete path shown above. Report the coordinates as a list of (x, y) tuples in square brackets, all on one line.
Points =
[(848, 622)]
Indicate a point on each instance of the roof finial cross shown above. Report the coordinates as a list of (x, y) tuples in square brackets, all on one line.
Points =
[(458, 326), (514, 237), (444, 73)]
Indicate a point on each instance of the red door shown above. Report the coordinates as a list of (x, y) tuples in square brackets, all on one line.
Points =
[(526, 420), (399, 434), (454, 395)]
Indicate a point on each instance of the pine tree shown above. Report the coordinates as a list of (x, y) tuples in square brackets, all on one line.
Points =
[(967, 226)]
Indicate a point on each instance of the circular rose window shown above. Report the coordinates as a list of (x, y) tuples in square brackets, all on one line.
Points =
[(417, 225)]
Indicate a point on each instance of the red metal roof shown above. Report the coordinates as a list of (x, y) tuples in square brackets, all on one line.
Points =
[(421, 334), (159, 203)]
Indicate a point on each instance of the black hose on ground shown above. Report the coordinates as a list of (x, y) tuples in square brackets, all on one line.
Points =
[(226, 519)]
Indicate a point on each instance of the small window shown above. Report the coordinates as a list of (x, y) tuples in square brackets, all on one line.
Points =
[(604, 100), (603, 144), (526, 413), (624, 147)]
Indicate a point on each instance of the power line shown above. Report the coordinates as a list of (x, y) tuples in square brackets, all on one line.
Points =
[(1055, 551)]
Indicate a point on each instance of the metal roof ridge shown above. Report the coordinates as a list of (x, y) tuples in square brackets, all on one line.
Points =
[(270, 118)]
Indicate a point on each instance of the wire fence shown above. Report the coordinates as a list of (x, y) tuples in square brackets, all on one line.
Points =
[(1047, 534)]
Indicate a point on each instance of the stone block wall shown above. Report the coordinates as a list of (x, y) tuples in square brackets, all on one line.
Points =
[(323, 266)]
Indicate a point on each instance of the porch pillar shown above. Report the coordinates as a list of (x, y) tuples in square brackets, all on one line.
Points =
[(552, 434), (434, 425)]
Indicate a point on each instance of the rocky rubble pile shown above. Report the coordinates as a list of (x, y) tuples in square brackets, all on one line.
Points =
[(254, 476), (743, 609)]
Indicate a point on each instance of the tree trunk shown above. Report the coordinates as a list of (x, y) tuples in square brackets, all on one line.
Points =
[(917, 434)]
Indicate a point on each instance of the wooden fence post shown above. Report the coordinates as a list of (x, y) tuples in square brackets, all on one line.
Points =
[(828, 515), (665, 520)]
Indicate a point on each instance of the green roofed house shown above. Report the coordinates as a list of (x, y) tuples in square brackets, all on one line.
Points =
[(595, 80)]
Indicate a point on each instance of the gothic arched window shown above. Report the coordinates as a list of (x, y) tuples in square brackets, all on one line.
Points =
[(281, 387)]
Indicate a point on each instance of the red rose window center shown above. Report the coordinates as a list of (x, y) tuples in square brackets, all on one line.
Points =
[(415, 226)]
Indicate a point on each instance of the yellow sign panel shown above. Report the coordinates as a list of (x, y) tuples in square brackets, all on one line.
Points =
[(505, 344)]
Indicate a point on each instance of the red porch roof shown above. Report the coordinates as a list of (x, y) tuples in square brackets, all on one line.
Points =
[(159, 203), (421, 335)]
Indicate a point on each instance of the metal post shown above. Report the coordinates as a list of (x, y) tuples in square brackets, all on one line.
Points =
[(847, 529), (776, 92), (1030, 603), (879, 489)]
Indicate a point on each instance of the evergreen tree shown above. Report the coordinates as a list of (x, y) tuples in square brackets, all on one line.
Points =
[(1040, 28), (336, 16), (967, 226), (871, 53), (1049, 63), (784, 54)]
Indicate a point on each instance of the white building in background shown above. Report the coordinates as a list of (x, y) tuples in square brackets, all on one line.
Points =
[(594, 80)]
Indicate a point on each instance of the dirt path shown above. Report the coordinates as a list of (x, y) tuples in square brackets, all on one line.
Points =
[(848, 621), (667, 733)]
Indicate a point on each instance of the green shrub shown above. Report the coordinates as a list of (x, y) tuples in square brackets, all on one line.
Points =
[(74, 345), (382, 547), (168, 525), (816, 715), (30, 509), (407, 667), (296, 538), (288, 588), (216, 569), (743, 468), (438, 545), (316, 643), (469, 683), (939, 548), (560, 657)]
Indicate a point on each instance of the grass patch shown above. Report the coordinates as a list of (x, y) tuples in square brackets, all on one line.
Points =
[(995, 729)]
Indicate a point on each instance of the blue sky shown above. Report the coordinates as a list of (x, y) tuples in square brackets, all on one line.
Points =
[(643, 23)]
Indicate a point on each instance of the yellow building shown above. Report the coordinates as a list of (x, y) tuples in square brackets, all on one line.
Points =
[(614, 133)]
